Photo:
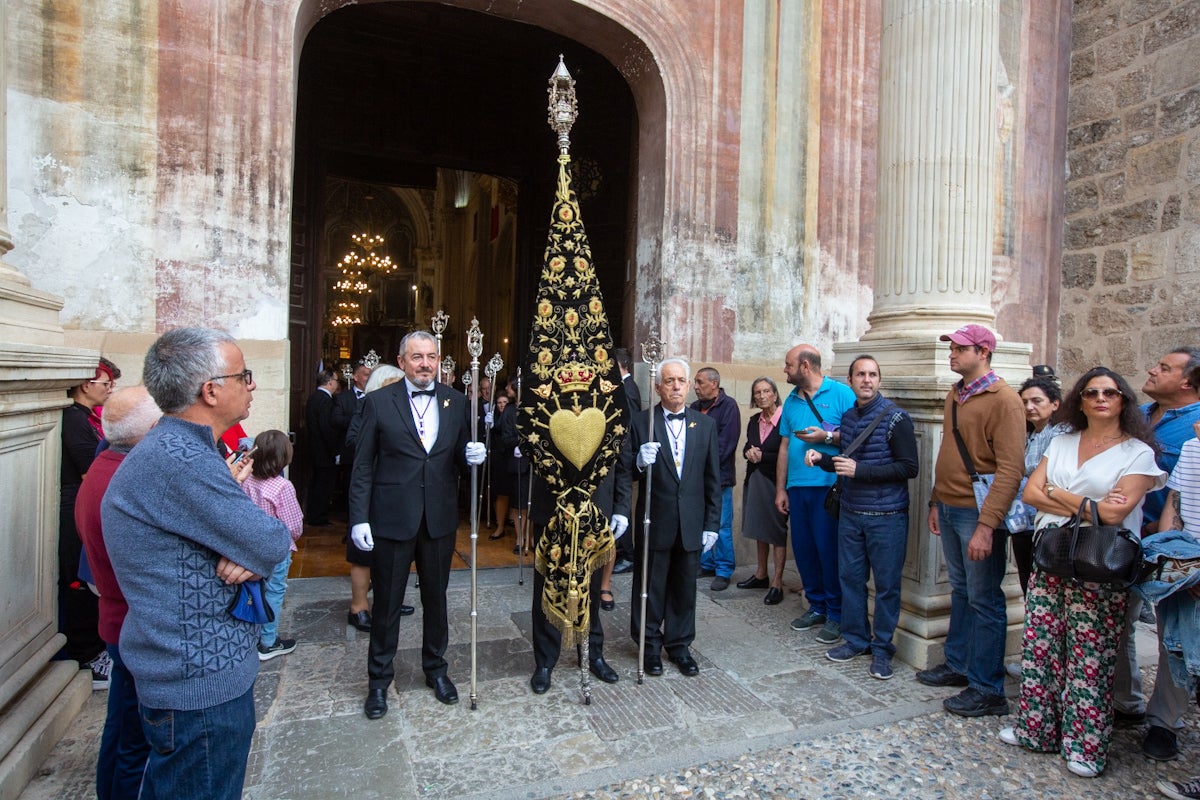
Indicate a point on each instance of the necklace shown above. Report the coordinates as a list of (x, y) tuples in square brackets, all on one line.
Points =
[(1106, 441), (420, 415), (675, 432)]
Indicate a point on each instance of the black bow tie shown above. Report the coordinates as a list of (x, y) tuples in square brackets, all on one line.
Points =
[(676, 416), (426, 392)]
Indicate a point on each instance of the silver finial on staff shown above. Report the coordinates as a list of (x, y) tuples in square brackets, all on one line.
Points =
[(446, 373), (522, 544), (652, 354), (474, 348), (491, 369), (438, 323), (564, 108)]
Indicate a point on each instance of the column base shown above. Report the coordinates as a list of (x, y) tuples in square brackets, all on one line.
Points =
[(37, 720)]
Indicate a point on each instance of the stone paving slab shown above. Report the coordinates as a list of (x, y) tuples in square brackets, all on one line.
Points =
[(768, 716)]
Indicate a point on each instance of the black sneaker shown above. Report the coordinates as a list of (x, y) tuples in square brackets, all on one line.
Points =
[(941, 675), (1188, 790), (101, 667), (1160, 744), (971, 702), (281, 648)]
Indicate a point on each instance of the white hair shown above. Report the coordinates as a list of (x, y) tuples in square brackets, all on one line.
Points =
[(681, 361), (381, 376)]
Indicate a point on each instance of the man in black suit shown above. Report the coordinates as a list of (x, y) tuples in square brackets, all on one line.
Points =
[(633, 397), (685, 513), (412, 448), (323, 448), (612, 497)]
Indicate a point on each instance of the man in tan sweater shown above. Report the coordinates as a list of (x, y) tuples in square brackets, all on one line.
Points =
[(991, 427)]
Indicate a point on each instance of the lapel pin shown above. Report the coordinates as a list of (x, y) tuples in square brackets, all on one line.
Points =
[(446, 403), (691, 424)]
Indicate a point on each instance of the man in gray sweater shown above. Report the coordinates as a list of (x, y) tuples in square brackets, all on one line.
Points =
[(181, 536)]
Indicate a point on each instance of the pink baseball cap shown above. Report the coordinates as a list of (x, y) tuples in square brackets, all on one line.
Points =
[(972, 334)]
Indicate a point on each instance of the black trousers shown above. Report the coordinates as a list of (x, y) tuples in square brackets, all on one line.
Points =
[(670, 599), (320, 494), (547, 641), (390, 567)]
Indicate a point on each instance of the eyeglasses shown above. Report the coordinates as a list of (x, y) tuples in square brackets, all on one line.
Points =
[(1107, 394), (105, 384), (246, 375)]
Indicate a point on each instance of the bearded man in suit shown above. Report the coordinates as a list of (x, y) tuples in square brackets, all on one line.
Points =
[(685, 512), (412, 448)]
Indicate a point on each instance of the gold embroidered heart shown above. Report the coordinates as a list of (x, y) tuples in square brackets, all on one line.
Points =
[(577, 436)]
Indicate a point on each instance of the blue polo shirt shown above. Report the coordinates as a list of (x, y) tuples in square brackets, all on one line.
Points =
[(1171, 432), (831, 399)]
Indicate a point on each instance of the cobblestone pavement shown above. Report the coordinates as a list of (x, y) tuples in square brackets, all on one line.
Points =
[(768, 716)]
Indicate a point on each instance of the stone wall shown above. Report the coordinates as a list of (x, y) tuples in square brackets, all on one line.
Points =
[(1131, 263)]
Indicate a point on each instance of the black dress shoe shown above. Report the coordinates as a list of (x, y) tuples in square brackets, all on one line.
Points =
[(754, 583), (443, 689), (687, 665), (652, 665), (360, 620), (540, 682), (610, 603), (407, 611), (705, 573), (602, 670), (773, 597), (376, 703)]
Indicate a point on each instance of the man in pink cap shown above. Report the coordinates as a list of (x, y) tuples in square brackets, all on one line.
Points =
[(984, 423)]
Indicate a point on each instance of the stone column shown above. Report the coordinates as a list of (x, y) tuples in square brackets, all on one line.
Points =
[(934, 255), (40, 697)]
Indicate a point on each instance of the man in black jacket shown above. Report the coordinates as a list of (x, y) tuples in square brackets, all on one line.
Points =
[(412, 448), (685, 512), (323, 448)]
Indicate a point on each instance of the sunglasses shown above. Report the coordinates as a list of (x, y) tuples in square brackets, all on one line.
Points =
[(1107, 394)]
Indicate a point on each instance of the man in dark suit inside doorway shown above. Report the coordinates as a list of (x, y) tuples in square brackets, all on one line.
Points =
[(685, 512), (323, 448), (412, 448)]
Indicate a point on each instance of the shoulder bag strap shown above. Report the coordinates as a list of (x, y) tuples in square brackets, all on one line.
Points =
[(811, 405), (962, 447), (862, 437)]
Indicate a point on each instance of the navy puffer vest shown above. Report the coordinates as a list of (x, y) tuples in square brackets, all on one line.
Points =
[(860, 495)]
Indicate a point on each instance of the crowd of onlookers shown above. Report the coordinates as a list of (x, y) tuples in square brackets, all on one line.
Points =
[(177, 533)]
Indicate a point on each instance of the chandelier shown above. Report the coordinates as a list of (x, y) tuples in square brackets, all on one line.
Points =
[(345, 312), (367, 261)]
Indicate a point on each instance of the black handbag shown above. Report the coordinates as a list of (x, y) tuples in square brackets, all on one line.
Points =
[(1094, 553), (833, 498)]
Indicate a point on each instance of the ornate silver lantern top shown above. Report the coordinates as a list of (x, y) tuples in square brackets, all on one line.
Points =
[(564, 108)]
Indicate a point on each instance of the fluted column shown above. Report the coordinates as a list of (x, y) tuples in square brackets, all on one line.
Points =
[(937, 112)]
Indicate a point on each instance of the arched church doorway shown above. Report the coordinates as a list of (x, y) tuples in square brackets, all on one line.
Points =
[(424, 125)]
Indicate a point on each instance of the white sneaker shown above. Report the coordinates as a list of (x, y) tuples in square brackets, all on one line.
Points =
[(1083, 769), (1013, 669), (1009, 736)]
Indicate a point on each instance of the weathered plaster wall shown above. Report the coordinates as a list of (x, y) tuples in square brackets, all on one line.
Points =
[(1131, 267)]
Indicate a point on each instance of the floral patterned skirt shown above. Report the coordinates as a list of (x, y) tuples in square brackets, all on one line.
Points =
[(1067, 667)]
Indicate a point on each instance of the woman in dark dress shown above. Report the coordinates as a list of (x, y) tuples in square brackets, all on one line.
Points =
[(761, 521)]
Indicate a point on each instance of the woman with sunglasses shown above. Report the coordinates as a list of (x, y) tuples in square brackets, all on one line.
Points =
[(1072, 630)]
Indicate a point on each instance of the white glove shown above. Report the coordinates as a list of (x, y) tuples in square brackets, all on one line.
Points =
[(476, 453), (619, 524), (360, 534), (648, 454), (709, 538), (517, 452), (487, 419)]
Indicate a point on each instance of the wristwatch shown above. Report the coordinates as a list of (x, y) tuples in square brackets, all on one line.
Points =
[(828, 437), (1050, 487)]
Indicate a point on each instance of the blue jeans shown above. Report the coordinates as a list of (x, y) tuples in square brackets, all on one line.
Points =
[(815, 547), (123, 748), (875, 544), (273, 589), (198, 754), (978, 614), (720, 558)]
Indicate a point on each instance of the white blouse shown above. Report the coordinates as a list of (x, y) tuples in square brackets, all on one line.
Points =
[(1099, 474)]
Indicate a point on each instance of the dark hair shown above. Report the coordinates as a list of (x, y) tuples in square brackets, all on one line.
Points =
[(273, 454), (1191, 370), (326, 375), (1132, 421), (621, 354), (1048, 385), (810, 357), (710, 374), (112, 368), (858, 358)]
